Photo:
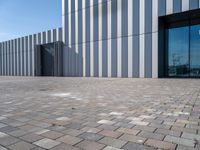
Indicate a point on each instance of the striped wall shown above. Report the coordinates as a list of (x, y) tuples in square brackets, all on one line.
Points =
[(115, 38), (17, 55)]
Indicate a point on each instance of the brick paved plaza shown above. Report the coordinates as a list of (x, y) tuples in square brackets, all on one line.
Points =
[(99, 114)]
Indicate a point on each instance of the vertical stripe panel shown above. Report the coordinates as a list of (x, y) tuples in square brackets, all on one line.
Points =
[(109, 49), (76, 39), (91, 40), (96, 37), (130, 38), (119, 40), (124, 38), (100, 37), (155, 39), (114, 37), (169, 8), (185, 5), (162, 7), (104, 39), (176, 6), (84, 37), (194, 4), (148, 38), (142, 38)]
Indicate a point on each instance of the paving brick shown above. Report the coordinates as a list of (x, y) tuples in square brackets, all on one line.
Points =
[(133, 138), (181, 147), (151, 135), (191, 136), (18, 133), (90, 136), (113, 134), (111, 148), (46, 143), (112, 142), (21, 146), (71, 140), (145, 128), (135, 146), (52, 135), (3, 148), (65, 147), (180, 141), (31, 137), (90, 145), (8, 140), (108, 122), (73, 132), (160, 144), (128, 131), (168, 132)]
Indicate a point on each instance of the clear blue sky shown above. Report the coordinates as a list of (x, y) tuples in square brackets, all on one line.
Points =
[(23, 17)]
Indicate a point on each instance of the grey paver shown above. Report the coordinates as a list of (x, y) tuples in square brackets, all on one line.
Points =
[(135, 146), (112, 142), (46, 143), (90, 136), (21, 146)]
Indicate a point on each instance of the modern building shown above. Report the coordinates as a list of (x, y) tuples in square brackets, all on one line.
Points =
[(116, 38)]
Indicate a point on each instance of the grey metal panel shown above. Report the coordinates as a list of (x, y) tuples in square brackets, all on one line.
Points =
[(125, 57), (136, 57), (161, 7), (177, 6), (80, 54), (136, 17), (104, 21), (14, 54), (148, 55), (30, 55), (19, 57), (48, 36), (104, 58), (11, 57), (124, 17), (96, 59), (87, 24), (96, 23), (148, 16), (26, 56), (114, 19), (114, 58), (54, 35), (43, 38), (80, 24), (194, 4), (73, 28), (87, 59), (8, 57), (34, 40), (22, 56)]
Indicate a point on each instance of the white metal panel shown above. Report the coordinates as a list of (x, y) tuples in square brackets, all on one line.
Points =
[(100, 37), (91, 39), (84, 37), (185, 5), (142, 39), (119, 39), (155, 39), (169, 5), (109, 38), (130, 38)]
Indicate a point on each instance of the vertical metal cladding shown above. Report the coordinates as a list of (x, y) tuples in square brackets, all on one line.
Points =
[(115, 38), (17, 55)]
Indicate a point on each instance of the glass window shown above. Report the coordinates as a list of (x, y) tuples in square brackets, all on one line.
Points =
[(178, 52), (195, 51)]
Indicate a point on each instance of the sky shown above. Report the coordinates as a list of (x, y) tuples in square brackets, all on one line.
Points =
[(23, 17)]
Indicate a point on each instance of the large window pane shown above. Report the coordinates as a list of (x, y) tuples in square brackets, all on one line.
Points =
[(195, 51), (178, 52)]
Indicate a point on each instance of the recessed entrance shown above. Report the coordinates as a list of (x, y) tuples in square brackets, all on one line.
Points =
[(180, 48), (48, 59)]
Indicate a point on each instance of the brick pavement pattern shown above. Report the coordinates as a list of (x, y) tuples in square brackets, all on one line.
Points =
[(99, 114)]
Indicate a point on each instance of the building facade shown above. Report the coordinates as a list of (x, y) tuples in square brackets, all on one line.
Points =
[(112, 38), (120, 38)]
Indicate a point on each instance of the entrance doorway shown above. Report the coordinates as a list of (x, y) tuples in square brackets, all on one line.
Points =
[(180, 45), (48, 59)]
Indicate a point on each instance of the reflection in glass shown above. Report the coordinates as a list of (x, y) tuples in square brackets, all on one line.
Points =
[(178, 52), (195, 51)]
